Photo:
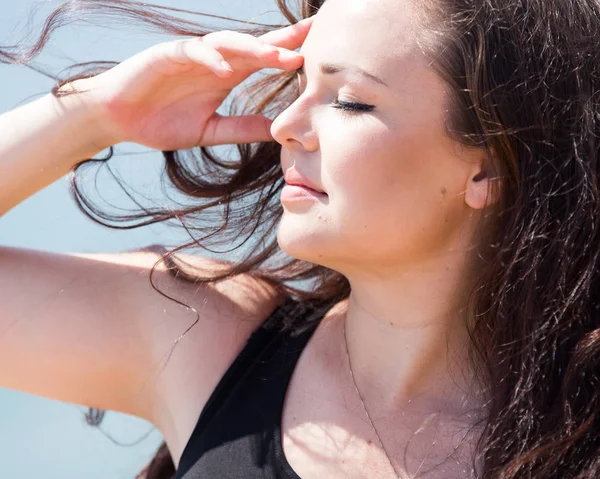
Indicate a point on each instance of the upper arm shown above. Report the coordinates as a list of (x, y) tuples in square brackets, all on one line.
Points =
[(90, 328)]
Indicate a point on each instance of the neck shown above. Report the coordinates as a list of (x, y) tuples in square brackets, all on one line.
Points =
[(407, 340)]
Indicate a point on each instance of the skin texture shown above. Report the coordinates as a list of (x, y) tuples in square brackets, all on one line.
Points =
[(402, 205)]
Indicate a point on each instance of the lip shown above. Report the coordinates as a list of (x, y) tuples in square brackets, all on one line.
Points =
[(293, 178), (299, 193)]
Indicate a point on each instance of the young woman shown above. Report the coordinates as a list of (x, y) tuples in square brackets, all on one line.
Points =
[(431, 170)]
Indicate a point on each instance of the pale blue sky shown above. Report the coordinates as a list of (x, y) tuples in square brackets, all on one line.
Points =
[(40, 437)]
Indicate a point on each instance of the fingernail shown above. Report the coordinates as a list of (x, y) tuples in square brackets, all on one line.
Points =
[(226, 66)]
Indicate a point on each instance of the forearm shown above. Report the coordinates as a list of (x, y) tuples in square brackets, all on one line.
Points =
[(40, 142)]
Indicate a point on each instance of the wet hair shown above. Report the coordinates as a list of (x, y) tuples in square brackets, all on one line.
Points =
[(524, 78)]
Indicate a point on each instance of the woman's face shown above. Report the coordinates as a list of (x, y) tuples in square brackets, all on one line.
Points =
[(394, 181)]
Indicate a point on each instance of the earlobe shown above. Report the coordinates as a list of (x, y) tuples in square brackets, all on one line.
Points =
[(482, 188), (480, 192)]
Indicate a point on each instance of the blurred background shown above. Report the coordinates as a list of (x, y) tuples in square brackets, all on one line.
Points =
[(41, 437)]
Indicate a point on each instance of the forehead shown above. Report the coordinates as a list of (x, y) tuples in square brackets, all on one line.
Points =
[(373, 34)]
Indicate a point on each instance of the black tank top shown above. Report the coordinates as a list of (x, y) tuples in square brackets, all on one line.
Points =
[(238, 434)]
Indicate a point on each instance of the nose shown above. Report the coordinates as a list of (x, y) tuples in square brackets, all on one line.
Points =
[(294, 128)]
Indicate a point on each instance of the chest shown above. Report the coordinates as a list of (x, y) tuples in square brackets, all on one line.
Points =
[(326, 433)]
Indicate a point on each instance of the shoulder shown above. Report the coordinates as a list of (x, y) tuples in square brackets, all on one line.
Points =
[(196, 337), (245, 296), (184, 313)]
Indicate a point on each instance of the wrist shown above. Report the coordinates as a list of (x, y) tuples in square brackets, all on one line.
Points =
[(85, 118)]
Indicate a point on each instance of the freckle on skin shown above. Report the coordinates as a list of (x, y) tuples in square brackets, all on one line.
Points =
[(443, 191)]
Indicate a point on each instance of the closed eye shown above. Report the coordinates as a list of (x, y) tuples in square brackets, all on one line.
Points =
[(346, 106), (354, 107)]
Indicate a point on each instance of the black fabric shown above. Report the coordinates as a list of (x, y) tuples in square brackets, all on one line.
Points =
[(238, 434)]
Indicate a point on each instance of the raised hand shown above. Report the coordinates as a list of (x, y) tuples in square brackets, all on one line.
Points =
[(166, 97)]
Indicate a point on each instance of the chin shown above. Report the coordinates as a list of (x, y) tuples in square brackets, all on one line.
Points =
[(300, 240)]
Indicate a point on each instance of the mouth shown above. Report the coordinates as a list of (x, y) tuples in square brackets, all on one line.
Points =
[(300, 192), (293, 177), (306, 187)]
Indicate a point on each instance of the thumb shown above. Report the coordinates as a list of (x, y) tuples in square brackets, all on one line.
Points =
[(228, 130)]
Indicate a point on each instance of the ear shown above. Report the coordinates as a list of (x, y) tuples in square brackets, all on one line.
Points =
[(480, 190)]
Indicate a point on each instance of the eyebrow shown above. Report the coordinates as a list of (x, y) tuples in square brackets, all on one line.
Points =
[(333, 68)]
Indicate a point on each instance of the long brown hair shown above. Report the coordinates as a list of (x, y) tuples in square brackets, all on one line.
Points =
[(524, 77)]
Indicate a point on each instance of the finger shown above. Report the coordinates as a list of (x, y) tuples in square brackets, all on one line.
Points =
[(235, 43), (193, 51), (245, 51), (229, 130), (291, 37)]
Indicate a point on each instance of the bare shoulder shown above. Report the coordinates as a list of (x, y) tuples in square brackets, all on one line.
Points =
[(246, 295), (195, 342)]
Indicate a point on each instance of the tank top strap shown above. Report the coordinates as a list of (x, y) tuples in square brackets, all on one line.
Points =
[(256, 343), (256, 380)]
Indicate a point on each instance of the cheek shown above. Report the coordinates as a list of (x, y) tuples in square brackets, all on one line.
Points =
[(374, 167), (357, 156), (400, 191)]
